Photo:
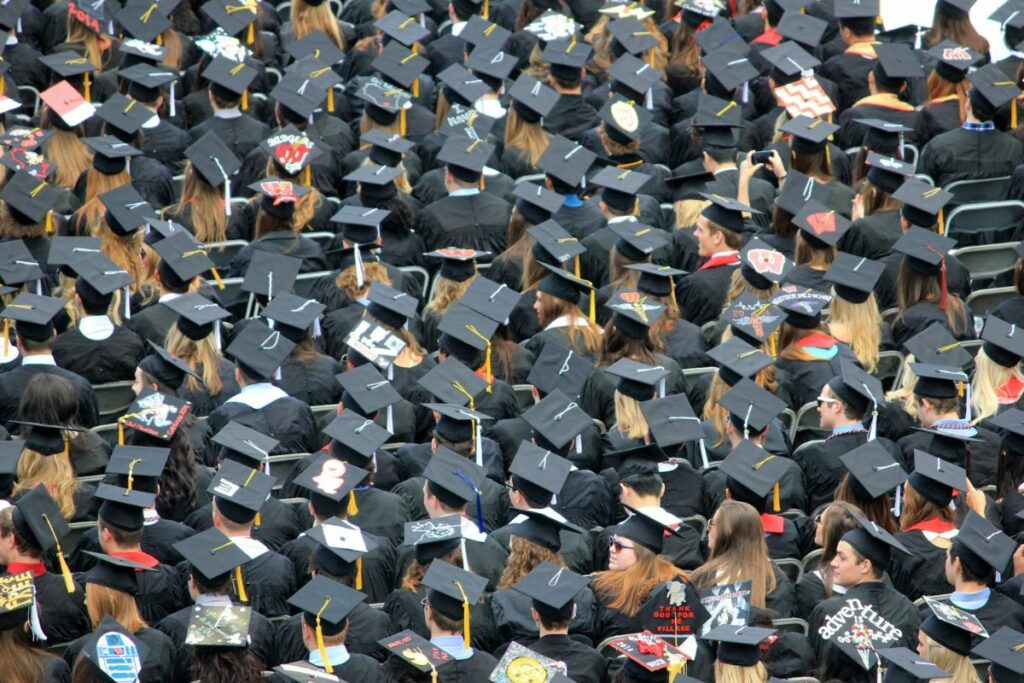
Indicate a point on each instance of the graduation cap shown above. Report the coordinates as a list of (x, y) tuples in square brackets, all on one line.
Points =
[(874, 470), (457, 264), (455, 480), (980, 545), (489, 62), (317, 45), (725, 212), (729, 68), (924, 250), (951, 627), (1005, 649), (716, 120), (854, 277), (458, 424), (751, 407), (490, 299), (802, 28), (240, 491), (212, 556), (539, 473), (922, 203), (434, 538), (464, 332), (752, 469), (340, 545), (219, 626), (383, 100), (1010, 14), (70, 107), (553, 26), (953, 61), (478, 30), (452, 592), (993, 85), (367, 391), (243, 444), (326, 605), (390, 306), (293, 314), (118, 573), (566, 161), (802, 305), (557, 244), (304, 672), (896, 62), (761, 265), (566, 57), (68, 64), (37, 520), (401, 65), (559, 368), (32, 315), (214, 161), (671, 420), (65, 249), (752, 319), (542, 527), (387, 148), (810, 134), (562, 284), (124, 115), (114, 654), (44, 438), (720, 34), (936, 479), (259, 350), (1002, 341), (373, 180), (885, 138), (17, 599), (196, 315), (30, 197), (18, 266), (126, 210), (858, 390), (656, 280), (556, 421), (180, 254), (632, 35), (632, 79), (624, 120), (637, 380), (452, 382), (415, 650), (738, 359), (465, 158), (233, 18), (461, 85), (906, 666), (291, 149), (891, 174), (739, 645), (551, 588), (402, 28), (138, 468), (299, 96), (633, 313), (646, 527), (789, 59), (872, 541), (650, 658), (229, 78), (145, 81), (111, 154), (532, 99), (1012, 422), (939, 381), (98, 276), (31, 161)]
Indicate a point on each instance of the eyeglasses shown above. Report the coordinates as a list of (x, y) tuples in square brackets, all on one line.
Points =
[(818, 519), (826, 399), (619, 546)]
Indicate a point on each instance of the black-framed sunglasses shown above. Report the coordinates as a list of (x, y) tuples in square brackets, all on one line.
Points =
[(619, 546)]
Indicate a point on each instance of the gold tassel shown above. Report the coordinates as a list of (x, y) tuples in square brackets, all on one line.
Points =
[(776, 496), (120, 431), (86, 85), (245, 99), (353, 507), (416, 88), (3, 86), (7, 337), (487, 361), (67, 446), (241, 584), (577, 265), (401, 123), (942, 227), (672, 283), (465, 612), (359, 573), (307, 176), (251, 38), (330, 100), (484, 13), (1013, 113), (131, 473), (160, 39), (320, 639), (256, 520), (216, 278), (675, 667), (69, 584), (49, 222)]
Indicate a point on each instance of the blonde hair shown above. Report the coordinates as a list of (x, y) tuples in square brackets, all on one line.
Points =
[(125, 252), (960, 666), (402, 183), (103, 601), (905, 392), (349, 283), (198, 355), (209, 221), (989, 377), (688, 211), (71, 156), (93, 210), (530, 138), (731, 673), (66, 290), (447, 293), (54, 472), (859, 326), (366, 124), (628, 418), (307, 18), (79, 33)]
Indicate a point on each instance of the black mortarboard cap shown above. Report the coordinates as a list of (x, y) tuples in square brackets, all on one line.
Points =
[(98, 272), (463, 84), (624, 120), (566, 57), (37, 519), (124, 114), (738, 359), (118, 573), (243, 444), (399, 64), (888, 173), (451, 381), (404, 29), (33, 315), (566, 161), (938, 381), (922, 203), (180, 253), (854, 277), (562, 284), (936, 479), (803, 28), (556, 241), (268, 274), (897, 61), (30, 196), (138, 467), (556, 420), (477, 30), (985, 545), (810, 135), (636, 380), (355, 437), (293, 314), (725, 212), (936, 346), (326, 603), (789, 59), (196, 315), (873, 469), (65, 249), (541, 527), (559, 368), (260, 350), (532, 99), (211, 554), (391, 306), (994, 85), (906, 666), (233, 18), (754, 469), (145, 81), (857, 389), (632, 35), (317, 45), (739, 645), (458, 479), (873, 542), (646, 527), (637, 241), (551, 585), (366, 390), (730, 69), (884, 137), (450, 586), (671, 420), (213, 159), (750, 406), (126, 209), (924, 250), (490, 299), (457, 424), (1005, 649), (655, 279), (1002, 341), (543, 471), (67, 64), (240, 491), (464, 157), (17, 265), (229, 78), (490, 62)]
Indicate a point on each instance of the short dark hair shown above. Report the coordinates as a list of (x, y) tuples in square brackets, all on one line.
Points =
[(644, 482), (859, 26), (969, 565), (122, 537)]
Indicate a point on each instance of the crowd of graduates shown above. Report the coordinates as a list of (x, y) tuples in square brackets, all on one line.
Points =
[(508, 340)]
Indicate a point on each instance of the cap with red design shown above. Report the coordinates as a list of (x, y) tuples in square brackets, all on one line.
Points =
[(279, 196), (822, 227), (762, 266), (291, 149)]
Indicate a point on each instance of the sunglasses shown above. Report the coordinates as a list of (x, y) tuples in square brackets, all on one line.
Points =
[(619, 546), (826, 399)]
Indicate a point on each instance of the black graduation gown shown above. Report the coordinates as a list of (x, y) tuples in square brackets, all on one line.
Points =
[(936, 117), (241, 134), (413, 459), (577, 549), (803, 380), (587, 500), (378, 565), (366, 626), (357, 667), (278, 523), (14, 382), (849, 71), (261, 639), (1011, 311), (582, 220), (288, 420), (406, 611), (872, 236), (166, 143), (970, 155), (160, 663), (701, 294), (512, 620), (572, 116), (922, 571), (882, 106), (63, 615), (822, 468), (557, 335), (153, 323), (979, 458), (203, 402), (510, 433), (312, 382), (887, 602), (476, 222), (159, 592), (958, 280), (805, 276), (283, 242), (685, 344), (922, 315), (809, 592), (99, 361)]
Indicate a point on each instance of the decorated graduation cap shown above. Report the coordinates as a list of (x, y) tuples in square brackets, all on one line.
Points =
[(340, 548), (821, 226), (117, 573), (1002, 341), (531, 99), (292, 150), (453, 591), (951, 626), (638, 380), (750, 407), (416, 651), (114, 653), (725, 212), (890, 174), (646, 527), (30, 199), (259, 350), (553, 244), (873, 542), (803, 306), (953, 61), (761, 265), (244, 445), (559, 368), (859, 390), (30, 161), (854, 277), (453, 382), (126, 210), (37, 520), (212, 557), (739, 645), (922, 203), (649, 658), (753, 473), (455, 480), (567, 163), (240, 491), (17, 600), (435, 538), (556, 421), (197, 316), (326, 605), (293, 315), (1005, 649), (873, 472), (279, 197), (633, 313), (753, 320), (623, 120), (935, 479), (981, 546), (67, 106), (457, 264), (219, 626)]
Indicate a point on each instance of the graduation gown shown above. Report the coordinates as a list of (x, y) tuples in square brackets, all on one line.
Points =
[(510, 433), (479, 221), (970, 155), (895, 608), (406, 611), (872, 236), (203, 402), (587, 500), (166, 143), (685, 344), (823, 469), (922, 315), (579, 218), (14, 382), (159, 592), (810, 591), (413, 459), (512, 620), (284, 242), (288, 420), (160, 663), (312, 382), (701, 294), (577, 549), (849, 71), (241, 133), (378, 565), (802, 380), (366, 626), (936, 117), (278, 523), (572, 116), (583, 663), (153, 322), (261, 639), (357, 667), (63, 615), (885, 106), (922, 571), (100, 361), (958, 280)]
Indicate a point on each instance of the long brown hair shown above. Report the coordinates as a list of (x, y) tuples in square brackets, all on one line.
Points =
[(103, 601), (124, 251), (958, 29), (808, 254), (877, 510), (92, 212), (917, 509), (913, 288), (80, 34), (740, 552), (626, 590), (307, 18), (874, 199), (415, 572), (348, 282), (67, 151), (13, 229), (939, 87), (815, 164), (175, 49), (788, 338), (24, 661), (585, 333), (524, 556), (529, 138), (209, 221)]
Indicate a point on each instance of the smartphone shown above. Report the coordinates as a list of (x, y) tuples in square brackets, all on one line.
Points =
[(763, 156)]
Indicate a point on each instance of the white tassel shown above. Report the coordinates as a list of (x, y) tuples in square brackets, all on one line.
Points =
[(703, 452), (391, 420), (967, 411), (359, 267), (649, 99), (465, 560), (661, 388), (579, 444), (127, 304), (172, 100), (746, 92), (317, 332), (216, 334), (898, 507)]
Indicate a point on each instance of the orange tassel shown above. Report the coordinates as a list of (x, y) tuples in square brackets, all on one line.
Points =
[(241, 584), (330, 100), (49, 222), (85, 82), (401, 123), (7, 337), (245, 99), (359, 573), (216, 278), (353, 507)]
